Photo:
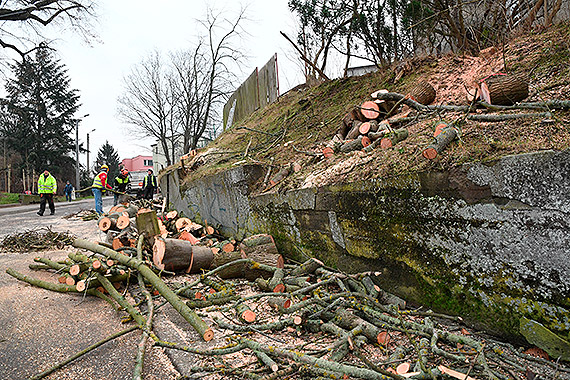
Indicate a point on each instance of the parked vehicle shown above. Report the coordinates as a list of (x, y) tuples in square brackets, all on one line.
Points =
[(136, 182)]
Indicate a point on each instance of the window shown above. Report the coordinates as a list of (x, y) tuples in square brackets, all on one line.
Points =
[(147, 162)]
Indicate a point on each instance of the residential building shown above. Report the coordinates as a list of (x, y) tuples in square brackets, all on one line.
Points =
[(138, 163)]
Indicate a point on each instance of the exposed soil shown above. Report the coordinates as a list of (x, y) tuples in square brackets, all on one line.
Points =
[(298, 126)]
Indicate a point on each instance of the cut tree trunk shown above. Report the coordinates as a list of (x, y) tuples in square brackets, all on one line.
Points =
[(502, 89), (233, 271), (108, 222), (351, 145), (172, 254), (185, 235), (356, 114), (202, 258), (439, 143), (393, 138), (147, 225), (355, 131), (262, 249), (423, 93)]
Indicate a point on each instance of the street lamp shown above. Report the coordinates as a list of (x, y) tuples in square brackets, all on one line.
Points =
[(93, 130), (77, 151)]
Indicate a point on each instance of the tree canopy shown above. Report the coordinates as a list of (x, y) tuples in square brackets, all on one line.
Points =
[(38, 118), (109, 156)]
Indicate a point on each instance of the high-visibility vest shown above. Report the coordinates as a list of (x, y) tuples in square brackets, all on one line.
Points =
[(152, 182), (122, 180), (97, 180), (47, 185)]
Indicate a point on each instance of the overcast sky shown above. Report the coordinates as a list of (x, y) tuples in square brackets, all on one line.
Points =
[(130, 30)]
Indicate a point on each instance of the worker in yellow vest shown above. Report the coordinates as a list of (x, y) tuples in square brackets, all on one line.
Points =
[(99, 185), (47, 187)]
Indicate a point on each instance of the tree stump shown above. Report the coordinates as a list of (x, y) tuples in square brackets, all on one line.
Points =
[(147, 224), (502, 89), (423, 93)]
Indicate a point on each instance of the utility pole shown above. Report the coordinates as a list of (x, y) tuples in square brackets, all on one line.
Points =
[(93, 130), (77, 151)]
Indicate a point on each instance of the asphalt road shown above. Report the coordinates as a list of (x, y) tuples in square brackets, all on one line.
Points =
[(15, 219)]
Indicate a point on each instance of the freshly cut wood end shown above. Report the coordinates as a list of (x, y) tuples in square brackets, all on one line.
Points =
[(364, 128), (158, 250), (229, 247), (110, 262), (279, 288), (171, 214), (80, 286), (375, 94), (328, 152), (61, 279), (208, 335), (248, 316), (430, 153), (383, 338), (370, 110), (366, 141), (69, 281), (439, 128), (123, 222), (210, 230), (117, 243), (297, 320), (104, 224), (199, 296), (96, 264), (185, 235), (280, 262), (385, 143), (287, 303), (181, 223), (74, 270), (403, 368)]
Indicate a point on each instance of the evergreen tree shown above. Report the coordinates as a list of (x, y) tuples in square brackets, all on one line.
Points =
[(109, 156), (41, 106)]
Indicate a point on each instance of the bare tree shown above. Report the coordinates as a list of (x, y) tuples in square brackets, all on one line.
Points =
[(22, 23), (148, 103)]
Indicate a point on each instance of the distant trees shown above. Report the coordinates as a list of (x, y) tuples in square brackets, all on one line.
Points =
[(384, 31), (109, 156), (176, 101), (38, 113), (22, 23)]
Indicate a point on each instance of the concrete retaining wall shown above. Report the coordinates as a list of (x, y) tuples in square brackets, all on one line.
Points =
[(487, 241)]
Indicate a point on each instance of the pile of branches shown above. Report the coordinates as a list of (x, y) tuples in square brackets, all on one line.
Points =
[(36, 240), (84, 215), (295, 321)]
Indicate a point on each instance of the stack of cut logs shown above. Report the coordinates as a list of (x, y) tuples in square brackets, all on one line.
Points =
[(179, 244), (367, 126)]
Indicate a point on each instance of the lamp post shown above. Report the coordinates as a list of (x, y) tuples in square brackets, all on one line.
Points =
[(93, 130), (77, 151)]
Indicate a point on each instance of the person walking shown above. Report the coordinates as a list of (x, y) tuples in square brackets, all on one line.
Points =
[(121, 183), (67, 190), (47, 187), (99, 185), (149, 185)]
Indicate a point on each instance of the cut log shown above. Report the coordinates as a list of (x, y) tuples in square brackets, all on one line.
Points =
[(393, 138), (439, 143), (262, 249), (147, 225), (356, 114), (328, 152), (181, 223), (108, 222), (279, 303), (244, 313), (502, 89), (233, 271), (366, 141), (352, 145), (172, 214), (370, 110), (364, 128), (373, 125), (423, 93), (280, 176), (439, 127), (345, 126), (308, 267), (202, 258), (185, 235), (355, 131), (123, 221), (172, 254), (189, 315)]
